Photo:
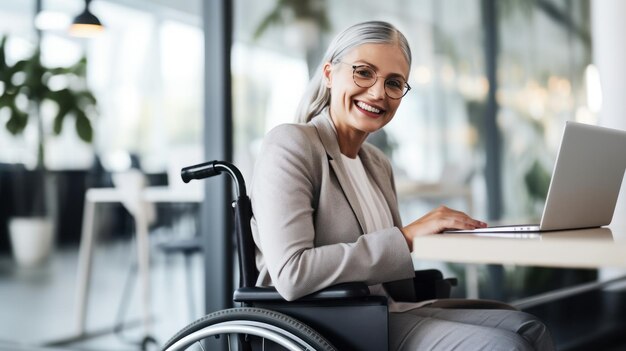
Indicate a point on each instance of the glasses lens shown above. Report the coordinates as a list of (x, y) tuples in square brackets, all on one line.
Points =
[(364, 76), (395, 87)]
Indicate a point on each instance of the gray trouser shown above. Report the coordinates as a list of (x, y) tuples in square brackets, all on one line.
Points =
[(429, 328)]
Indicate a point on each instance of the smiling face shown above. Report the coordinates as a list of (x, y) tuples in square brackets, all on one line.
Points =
[(358, 111)]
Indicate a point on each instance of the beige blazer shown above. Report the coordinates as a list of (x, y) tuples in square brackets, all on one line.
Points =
[(308, 225)]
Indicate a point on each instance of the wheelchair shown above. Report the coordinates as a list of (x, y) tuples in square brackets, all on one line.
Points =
[(341, 317)]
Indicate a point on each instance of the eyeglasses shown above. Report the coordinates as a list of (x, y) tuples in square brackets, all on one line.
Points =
[(365, 77)]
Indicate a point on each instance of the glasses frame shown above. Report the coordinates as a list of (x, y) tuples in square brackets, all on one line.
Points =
[(376, 76)]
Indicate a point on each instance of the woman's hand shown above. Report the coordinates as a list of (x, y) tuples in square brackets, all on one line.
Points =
[(437, 221)]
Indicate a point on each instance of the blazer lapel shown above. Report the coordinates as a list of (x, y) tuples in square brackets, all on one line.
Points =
[(328, 137)]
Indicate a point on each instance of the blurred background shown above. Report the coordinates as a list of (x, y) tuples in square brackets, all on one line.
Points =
[(150, 90)]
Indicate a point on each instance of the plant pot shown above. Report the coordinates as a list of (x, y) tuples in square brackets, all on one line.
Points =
[(31, 239)]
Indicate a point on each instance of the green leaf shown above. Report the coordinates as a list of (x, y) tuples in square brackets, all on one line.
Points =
[(60, 71), (3, 63), (86, 98), (17, 121), (59, 118), (83, 127), (5, 100), (80, 67)]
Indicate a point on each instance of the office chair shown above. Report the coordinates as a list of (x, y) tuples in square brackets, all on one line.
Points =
[(340, 317)]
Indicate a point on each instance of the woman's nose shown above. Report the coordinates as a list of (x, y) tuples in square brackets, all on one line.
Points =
[(377, 90)]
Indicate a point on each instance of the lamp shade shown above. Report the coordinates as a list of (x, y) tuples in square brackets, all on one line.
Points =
[(86, 24)]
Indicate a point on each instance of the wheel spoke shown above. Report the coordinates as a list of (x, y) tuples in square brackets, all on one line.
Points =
[(200, 343)]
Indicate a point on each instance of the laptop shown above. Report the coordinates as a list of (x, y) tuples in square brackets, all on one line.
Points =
[(585, 183)]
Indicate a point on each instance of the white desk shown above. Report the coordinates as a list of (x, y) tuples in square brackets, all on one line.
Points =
[(115, 195), (588, 248)]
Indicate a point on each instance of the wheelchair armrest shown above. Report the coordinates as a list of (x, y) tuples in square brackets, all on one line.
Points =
[(427, 284), (430, 284), (336, 292)]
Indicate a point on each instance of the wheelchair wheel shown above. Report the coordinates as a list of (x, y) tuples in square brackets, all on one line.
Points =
[(280, 329)]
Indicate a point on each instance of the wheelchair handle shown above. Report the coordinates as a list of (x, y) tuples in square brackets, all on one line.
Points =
[(242, 210), (213, 168)]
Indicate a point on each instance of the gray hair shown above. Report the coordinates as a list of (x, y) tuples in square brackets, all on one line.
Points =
[(317, 95)]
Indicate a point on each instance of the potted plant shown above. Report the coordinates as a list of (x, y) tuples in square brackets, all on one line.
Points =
[(24, 87)]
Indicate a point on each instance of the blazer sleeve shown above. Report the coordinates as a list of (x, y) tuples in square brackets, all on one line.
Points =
[(284, 204)]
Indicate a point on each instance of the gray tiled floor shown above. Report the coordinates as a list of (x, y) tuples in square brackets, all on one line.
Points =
[(37, 304)]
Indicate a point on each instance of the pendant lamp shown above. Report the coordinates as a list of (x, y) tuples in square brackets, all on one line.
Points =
[(86, 24)]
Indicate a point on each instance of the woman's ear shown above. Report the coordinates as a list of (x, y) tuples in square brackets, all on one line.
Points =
[(328, 74)]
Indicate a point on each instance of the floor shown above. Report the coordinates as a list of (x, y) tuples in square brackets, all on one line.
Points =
[(37, 309)]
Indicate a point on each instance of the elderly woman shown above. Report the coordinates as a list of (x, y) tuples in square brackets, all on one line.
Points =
[(325, 206)]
